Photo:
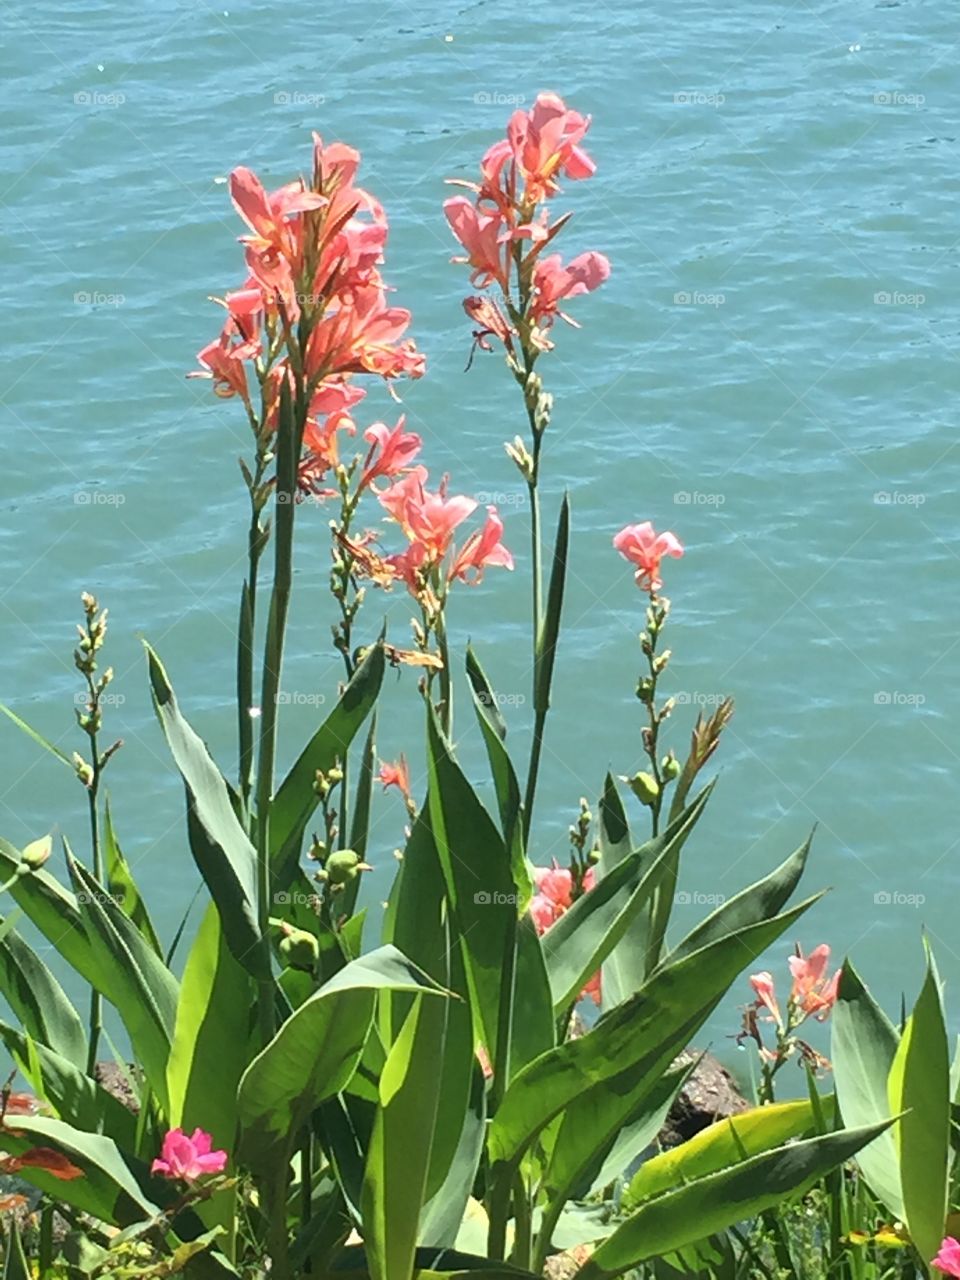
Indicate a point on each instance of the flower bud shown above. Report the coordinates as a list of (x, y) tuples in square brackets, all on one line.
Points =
[(83, 770), (35, 854), (670, 766), (644, 787), (342, 867), (299, 949), (645, 689)]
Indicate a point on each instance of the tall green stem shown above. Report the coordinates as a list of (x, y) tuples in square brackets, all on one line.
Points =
[(246, 631), (96, 1003)]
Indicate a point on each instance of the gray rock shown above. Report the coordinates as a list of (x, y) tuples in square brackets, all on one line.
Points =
[(709, 1095)]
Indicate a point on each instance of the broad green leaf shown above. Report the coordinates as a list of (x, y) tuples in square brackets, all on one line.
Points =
[(509, 802), (221, 848), (398, 1159), (642, 1129), (589, 1128), (589, 932), (625, 970), (443, 1214), (919, 1087), (122, 885), (546, 650), (77, 1099), (534, 1028), (108, 1190), (38, 1000), (51, 908), (758, 902), (688, 1213), (211, 1041), (131, 976), (654, 1025), (436, 1264), (479, 882), (314, 1054), (15, 1263), (863, 1045), (296, 799), (720, 1145)]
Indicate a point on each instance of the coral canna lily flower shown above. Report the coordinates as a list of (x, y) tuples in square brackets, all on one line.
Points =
[(553, 282), (396, 774), (480, 235), (642, 546), (762, 984), (545, 143), (812, 991), (392, 450), (190, 1158), (482, 549)]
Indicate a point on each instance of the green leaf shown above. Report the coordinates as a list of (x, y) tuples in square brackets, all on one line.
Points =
[(550, 629), (38, 1000), (76, 1098), (719, 1146), (642, 1128), (589, 932), (654, 1025), (15, 1263), (686, 1214), (211, 1042), (625, 970), (51, 908), (663, 900), (38, 738), (108, 1190), (443, 1214), (506, 785), (122, 885), (758, 902), (398, 1160), (919, 1086), (360, 819), (479, 882), (296, 799), (131, 976), (314, 1054), (863, 1045), (220, 846)]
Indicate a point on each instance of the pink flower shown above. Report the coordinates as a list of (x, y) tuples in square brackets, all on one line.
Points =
[(222, 361), (812, 991), (188, 1158), (391, 450), (396, 774), (639, 544), (554, 896), (544, 143), (762, 984), (482, 549), (479, 233), (544, 912), (428, 519), (948, 1259), (552, 282)]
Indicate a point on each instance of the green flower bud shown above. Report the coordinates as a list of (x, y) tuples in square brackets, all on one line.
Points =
[(35, 854), (299, 949), (343, 866), (645, 689), (670, 766), (644, 787)]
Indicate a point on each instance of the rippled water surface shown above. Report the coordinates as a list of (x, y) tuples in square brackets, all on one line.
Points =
[(771, 372)]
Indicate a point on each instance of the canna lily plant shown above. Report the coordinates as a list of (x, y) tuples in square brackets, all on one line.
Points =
[(415, 1102)]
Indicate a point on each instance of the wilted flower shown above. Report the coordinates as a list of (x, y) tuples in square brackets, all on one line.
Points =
[(188, 1158)]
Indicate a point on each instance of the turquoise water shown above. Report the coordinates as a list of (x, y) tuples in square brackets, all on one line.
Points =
[(767, 176)]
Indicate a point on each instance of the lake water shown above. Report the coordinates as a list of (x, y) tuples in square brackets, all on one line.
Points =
[(771, 372)]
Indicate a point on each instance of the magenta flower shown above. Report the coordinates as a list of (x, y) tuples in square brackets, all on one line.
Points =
[(948, 1259), (188, 1158)]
